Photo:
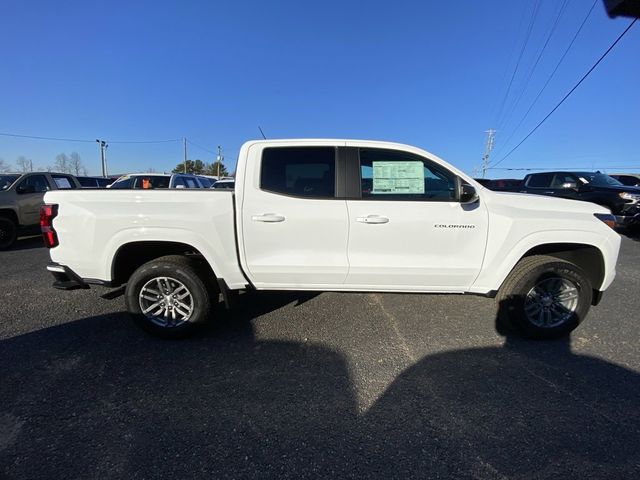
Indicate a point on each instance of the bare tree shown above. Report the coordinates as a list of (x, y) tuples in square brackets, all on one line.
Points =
[(62, 163), (75, 164), (24, 164), (4, 167)]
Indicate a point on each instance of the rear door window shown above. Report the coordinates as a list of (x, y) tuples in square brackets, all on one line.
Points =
[(540, 180), (308, 172), (562, 179), (87, 182)]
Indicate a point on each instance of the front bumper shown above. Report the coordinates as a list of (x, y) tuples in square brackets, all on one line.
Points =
[(65, 278)]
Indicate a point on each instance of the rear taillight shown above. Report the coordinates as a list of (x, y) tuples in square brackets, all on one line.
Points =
[(47, 214), (607, 218)]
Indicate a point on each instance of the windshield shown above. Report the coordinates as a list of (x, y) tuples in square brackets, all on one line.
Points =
[(598, 180), (7, 180)]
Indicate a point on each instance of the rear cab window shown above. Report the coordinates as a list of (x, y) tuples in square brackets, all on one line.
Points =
[(306, 172)]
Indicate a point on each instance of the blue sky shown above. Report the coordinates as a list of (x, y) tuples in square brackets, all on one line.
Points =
[(427, 73)]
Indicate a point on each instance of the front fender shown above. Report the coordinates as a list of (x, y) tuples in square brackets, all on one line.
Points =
[(500, 262)]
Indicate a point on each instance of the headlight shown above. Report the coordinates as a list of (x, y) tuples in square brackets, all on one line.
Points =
[(633, 197)]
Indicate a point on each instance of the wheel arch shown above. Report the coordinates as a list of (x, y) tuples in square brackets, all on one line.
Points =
[(588, 257), (132, 255)]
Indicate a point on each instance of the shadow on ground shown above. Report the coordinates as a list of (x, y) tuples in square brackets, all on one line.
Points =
[(96, 398)]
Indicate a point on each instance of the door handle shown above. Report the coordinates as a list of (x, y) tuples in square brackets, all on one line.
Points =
[(372, 219), (268, 218)]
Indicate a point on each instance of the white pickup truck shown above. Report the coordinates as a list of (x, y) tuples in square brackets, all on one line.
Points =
[(334, 215)]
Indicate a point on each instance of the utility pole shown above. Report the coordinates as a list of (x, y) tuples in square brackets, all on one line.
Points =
[(219, 158), (488, 146), (103, 155), (184, 145)]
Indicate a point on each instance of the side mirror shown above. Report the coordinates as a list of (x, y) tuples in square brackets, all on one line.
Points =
[(468, 194), (22, 189)]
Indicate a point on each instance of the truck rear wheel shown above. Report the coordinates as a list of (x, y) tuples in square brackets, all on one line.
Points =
[(544, 297), (169, 296), (8, 233)]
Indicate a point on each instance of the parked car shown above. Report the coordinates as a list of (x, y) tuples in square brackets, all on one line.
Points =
[(21, 195), (207, 181), (224, 184), (299, 219), (501, 184), (506, 184), (156, 180), (595, 187), (485, 182), (95, 182), (628, 179)]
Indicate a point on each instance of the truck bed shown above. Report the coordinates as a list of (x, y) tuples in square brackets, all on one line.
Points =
[(94, 223)]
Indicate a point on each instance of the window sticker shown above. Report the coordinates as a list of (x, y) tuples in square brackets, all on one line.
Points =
[(398, 178), (584, 180)]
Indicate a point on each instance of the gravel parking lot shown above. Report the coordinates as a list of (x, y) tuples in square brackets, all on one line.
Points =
[(306, 386)]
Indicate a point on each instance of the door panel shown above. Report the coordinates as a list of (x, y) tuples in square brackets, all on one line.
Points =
[(432, 245), (30, 202), (294, 230), (408, 231)]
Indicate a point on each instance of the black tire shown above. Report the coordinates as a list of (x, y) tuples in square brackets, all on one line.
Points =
[(8, 233), (178, 269), (516, 294)]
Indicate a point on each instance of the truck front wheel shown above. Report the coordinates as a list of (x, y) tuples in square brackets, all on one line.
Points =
[(168, 297), (8, 233), (544, 297)]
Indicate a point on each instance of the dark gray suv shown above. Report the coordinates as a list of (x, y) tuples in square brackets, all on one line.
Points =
[(21, 195)]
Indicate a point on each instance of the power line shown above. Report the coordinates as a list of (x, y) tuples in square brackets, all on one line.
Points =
[(570, 91), (201, 147), (146, 141), (556, 169), (535, 100), (563, 6), (35, 137), (45, 138), (536, 8)]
